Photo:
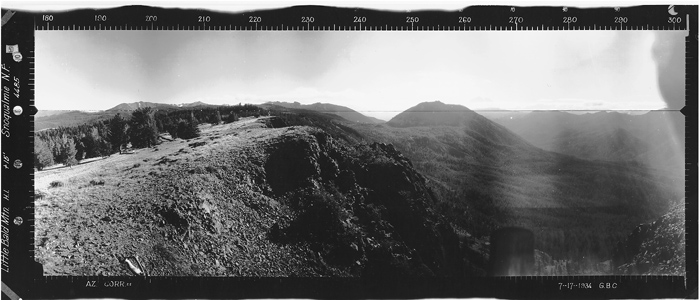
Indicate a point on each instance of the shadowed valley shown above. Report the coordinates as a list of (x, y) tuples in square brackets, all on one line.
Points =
[(488, 177)]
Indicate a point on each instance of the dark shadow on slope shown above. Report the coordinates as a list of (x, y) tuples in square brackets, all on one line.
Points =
[(364, 209)]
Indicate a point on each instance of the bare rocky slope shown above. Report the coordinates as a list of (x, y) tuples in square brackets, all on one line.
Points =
[(656, 248), (251, 198)]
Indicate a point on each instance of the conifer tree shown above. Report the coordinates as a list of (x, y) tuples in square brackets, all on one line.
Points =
[(187, 130), (118, 133), (232, 117), (193, 119), (217, 118), (42, 154), (68, 152), (143, 130)]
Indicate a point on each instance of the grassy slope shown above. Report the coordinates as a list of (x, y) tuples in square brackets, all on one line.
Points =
[(85, 228)]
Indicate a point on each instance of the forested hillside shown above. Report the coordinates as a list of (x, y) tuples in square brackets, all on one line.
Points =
[(487, 177), (140, 128)]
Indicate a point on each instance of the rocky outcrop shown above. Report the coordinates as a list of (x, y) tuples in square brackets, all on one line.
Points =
[(654, 249), (362, 207), (293, 164)]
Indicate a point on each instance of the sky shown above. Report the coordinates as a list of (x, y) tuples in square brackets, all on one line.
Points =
[(379, 74)]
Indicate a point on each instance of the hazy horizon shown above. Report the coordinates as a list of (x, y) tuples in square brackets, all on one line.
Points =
[(379, 74), (489, 113)]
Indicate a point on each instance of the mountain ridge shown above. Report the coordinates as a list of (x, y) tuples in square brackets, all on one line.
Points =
[(141, 104), (610, 136), (55, 119), (345, 112)]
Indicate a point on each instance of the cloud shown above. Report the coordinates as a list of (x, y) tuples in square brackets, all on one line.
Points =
[(384, 72)]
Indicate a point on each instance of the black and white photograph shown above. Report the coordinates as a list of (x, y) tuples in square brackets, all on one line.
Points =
[(313, 150), (359, 154)]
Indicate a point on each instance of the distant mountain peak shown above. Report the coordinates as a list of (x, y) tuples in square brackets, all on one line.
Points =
[(197, 103), (550, 111), (433, 113), (431, 102), (438, 105), (139, 104)]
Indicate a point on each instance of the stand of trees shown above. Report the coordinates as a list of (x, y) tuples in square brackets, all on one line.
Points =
[(143, 132), (68, 145), (118, 134), (141, 129)]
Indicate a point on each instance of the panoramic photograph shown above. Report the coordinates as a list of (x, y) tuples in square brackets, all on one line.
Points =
[(359, 153)]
